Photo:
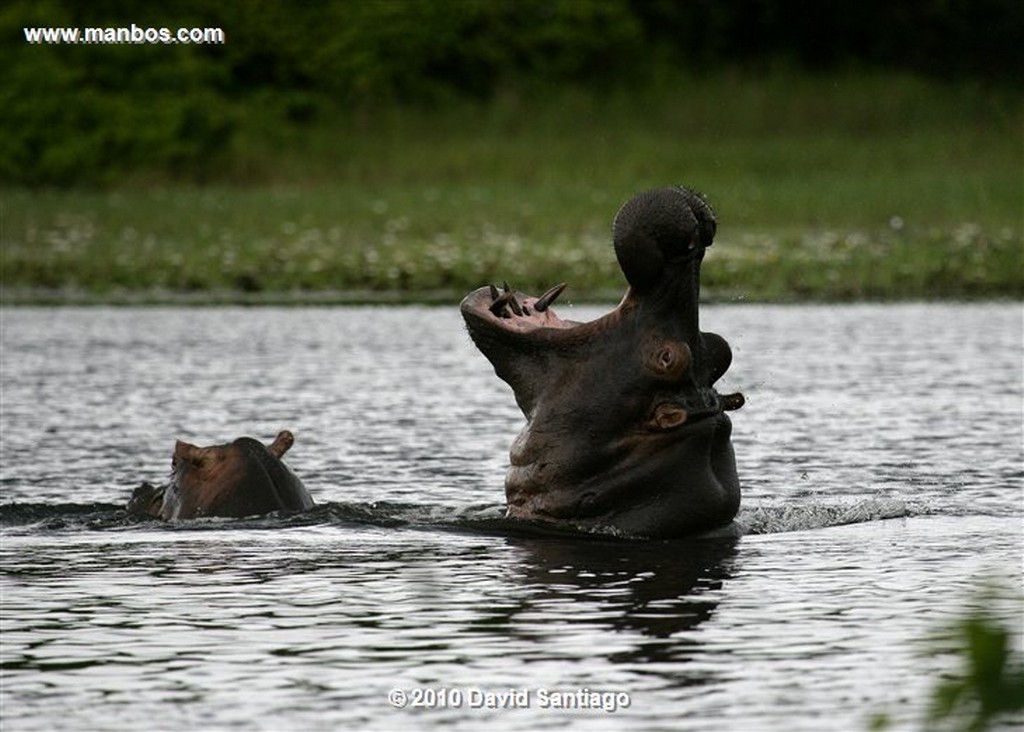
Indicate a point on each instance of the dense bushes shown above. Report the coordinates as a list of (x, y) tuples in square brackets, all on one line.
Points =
[(89, 113)]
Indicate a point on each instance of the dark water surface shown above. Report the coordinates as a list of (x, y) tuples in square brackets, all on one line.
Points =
[(880, 450)]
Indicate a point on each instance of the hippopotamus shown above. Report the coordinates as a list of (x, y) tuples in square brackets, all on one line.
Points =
[(625, 432), (242, 478)]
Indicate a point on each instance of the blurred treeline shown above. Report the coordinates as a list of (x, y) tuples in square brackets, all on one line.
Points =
[(88, 114)]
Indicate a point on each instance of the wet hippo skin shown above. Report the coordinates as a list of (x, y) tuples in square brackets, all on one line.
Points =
[(242, 478), (624, 428)]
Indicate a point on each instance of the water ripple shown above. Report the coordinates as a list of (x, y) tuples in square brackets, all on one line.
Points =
[(880, 452)]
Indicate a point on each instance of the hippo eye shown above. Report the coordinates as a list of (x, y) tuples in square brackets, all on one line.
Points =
[(669, 359)]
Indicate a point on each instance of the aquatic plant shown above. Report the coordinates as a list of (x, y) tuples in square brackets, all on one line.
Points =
[(989, 687)]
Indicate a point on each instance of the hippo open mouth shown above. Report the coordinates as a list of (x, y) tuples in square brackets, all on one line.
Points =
[(625, 429)]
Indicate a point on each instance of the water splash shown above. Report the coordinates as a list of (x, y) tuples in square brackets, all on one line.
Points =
[(819, 515)]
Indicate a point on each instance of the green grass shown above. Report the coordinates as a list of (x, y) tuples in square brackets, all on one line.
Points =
[(825, 188)]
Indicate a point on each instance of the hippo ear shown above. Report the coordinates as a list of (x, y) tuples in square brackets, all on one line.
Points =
[(282, 443), (189, 453)]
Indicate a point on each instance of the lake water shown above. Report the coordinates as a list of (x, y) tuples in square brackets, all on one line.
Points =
[(880, 451)]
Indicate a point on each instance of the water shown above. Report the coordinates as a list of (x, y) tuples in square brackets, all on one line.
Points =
[(400, 579)]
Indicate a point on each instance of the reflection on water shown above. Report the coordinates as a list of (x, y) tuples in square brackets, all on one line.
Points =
[(404, 578), (653, 591)]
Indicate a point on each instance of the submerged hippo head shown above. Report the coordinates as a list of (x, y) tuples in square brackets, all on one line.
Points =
[(243, 478), (623, 426)]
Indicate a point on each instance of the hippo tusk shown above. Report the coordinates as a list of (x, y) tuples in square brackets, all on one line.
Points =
[(544, 301)]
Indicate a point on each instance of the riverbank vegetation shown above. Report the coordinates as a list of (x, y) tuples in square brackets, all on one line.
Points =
[(268, 183)]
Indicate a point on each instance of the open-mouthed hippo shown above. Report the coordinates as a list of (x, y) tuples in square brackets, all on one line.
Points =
[(624, 429), (243, 478)]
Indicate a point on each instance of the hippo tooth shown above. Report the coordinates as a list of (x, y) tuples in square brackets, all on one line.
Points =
[(494, 292), (544, 301), (498, 306), (508, 289), (514, 304)]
